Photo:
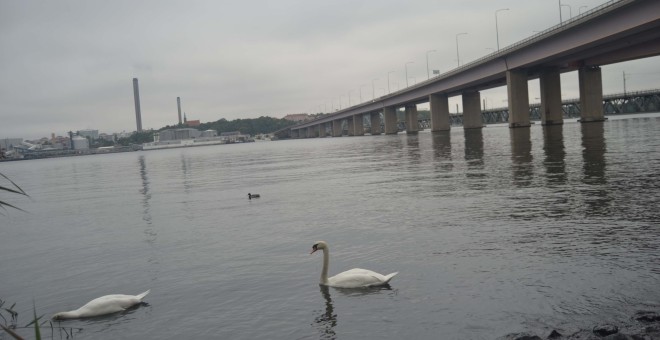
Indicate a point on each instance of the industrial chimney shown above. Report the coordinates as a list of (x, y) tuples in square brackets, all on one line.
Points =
[(136, 95), (178, 104)]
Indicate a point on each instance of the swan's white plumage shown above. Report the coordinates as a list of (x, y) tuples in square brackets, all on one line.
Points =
[(353, 278), (103, 305)]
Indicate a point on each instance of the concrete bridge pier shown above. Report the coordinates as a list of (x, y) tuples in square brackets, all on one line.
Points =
[(439, 112), (591, 94), (516, 83), (412, 123), (551, 109), (375, 123), (351, 126), (472, 110), (389, 114), (336, 128), (358, 125), (295, 133), (323, 132), (310, 132)]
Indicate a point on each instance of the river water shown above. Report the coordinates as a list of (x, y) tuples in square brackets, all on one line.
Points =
[(492, 231)]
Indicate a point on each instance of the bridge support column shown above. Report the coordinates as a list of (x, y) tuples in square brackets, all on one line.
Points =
[(412, 123), (551, 109), (375, 123), (439, 112), (358, 125), (472, 110), (295, 133), (351, 126), (516, 83), (389, 114), (336, 128), (591, 94), (310, 132)]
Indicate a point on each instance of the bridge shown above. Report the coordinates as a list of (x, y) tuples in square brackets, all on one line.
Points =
[(613, 104), (614, 32)]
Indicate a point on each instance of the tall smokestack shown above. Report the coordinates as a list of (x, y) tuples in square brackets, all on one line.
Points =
[(136, 95), (178, 104)]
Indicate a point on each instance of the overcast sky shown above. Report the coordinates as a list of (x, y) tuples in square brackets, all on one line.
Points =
[(68, 65)]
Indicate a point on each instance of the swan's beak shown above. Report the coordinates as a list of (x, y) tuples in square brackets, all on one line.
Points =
[(314, 248)]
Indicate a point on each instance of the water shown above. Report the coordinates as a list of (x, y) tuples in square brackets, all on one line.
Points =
[(493, 231)]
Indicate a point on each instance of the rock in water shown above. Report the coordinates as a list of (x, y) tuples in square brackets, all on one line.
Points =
[(605, 330)]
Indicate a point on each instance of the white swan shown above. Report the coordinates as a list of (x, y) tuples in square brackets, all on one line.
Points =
[(104, 305), (353, 278)]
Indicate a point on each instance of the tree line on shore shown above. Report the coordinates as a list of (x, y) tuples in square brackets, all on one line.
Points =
[(253, 126)]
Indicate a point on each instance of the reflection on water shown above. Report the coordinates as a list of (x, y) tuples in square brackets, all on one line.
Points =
[(593, 152), (186, 175), (594, 167), (474, 153), (555, 154), (412, 144), (149, 231), (327, 321), (146, 195), (521, 156), (442, 149)]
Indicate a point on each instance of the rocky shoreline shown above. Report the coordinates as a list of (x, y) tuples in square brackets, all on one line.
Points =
[(646, 326)]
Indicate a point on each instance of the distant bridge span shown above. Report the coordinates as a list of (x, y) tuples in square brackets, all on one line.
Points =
[(614, 32)]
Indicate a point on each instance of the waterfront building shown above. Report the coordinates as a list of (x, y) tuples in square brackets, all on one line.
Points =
[(9, 143), (93, 134), (80, 143)]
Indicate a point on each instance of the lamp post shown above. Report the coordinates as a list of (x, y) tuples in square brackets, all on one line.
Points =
[(570, 11), (428, 76), (349, 97), (373, 89), (388, 81), (406, 66), (497, 32), (561, 21), (458, 60)]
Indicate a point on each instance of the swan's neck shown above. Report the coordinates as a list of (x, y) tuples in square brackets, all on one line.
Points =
[(324, 272), (67, 315)]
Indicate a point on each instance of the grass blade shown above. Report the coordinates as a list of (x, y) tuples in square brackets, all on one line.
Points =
[(12, 333)]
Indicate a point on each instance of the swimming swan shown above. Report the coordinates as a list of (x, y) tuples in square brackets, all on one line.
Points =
[(251, 196), (353, 278), (104, 305)]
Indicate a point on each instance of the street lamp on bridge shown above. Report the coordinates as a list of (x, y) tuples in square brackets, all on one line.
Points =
[(458, 60), (406, 66), (428, 76), (497, 32), (361, 86), (570, 11), (388, 81)]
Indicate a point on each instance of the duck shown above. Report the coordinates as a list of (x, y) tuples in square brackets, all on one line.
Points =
[(103, 305), (352, 278), (251, 196)]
